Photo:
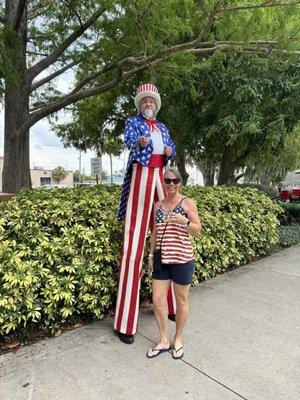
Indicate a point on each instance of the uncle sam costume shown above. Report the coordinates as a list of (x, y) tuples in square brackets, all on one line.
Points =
[(142, 186)]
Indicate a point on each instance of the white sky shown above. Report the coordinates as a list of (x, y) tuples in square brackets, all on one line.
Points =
[(47, 151)]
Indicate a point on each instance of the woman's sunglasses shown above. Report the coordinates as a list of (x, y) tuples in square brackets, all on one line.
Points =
[(169, 180)]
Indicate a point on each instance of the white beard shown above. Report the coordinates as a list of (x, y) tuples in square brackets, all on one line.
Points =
[(148, 113)]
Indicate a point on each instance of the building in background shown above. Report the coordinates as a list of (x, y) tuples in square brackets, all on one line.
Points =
[(43, 177)]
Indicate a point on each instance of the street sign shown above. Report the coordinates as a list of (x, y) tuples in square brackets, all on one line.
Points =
[(96, 165)]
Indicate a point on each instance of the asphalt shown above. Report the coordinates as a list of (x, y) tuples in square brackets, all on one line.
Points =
[(241, 342)]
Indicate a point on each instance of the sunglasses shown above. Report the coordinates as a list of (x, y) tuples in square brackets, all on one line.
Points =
[(169, 180)]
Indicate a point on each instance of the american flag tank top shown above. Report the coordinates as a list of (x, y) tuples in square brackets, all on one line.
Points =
[(176, 245)]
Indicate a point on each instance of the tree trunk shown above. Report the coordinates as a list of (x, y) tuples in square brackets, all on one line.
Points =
[(16, 166), (180, 161), (111, 169), (226, 171), (208, 169)]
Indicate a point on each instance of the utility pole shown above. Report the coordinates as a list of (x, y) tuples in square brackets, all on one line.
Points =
[(79, 176)]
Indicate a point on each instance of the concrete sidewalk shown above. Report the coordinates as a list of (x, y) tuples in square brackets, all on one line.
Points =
[(241, 342)]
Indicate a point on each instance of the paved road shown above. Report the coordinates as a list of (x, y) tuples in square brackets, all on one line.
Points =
[(241, 342)]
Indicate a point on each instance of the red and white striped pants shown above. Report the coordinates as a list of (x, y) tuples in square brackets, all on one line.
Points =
[(146, 188)]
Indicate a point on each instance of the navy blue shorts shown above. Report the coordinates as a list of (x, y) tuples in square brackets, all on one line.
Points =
[(181, 274)]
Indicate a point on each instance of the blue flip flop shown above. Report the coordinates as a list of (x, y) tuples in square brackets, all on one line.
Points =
[(176, 351), (160, 351)]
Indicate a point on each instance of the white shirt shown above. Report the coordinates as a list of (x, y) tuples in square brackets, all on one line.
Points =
[(158, 144)]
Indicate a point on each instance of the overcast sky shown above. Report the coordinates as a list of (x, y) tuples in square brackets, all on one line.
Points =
[(47, 151)]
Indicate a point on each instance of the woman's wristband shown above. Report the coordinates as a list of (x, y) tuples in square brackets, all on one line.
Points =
[(150, 255)]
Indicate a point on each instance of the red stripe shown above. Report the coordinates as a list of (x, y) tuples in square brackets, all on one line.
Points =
[(156, 160), (140, 250), (136, 191), (161, 177), (171, 239)]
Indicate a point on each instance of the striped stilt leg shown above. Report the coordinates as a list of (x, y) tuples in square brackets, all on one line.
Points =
[(138, 213)]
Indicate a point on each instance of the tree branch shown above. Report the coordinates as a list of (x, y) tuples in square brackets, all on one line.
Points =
[(48, 78), (72, 9), (95, 75), (35, 53), (266, 4), (67, 100), (2, 19), (236, 178), (19, 13), (139, 61), (138, 64), (77, 95), (154, 57), (36, 69)]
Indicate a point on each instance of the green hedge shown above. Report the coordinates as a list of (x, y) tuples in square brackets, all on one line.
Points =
[(238, 225), (272, 193), (59, 249), (290, 213)]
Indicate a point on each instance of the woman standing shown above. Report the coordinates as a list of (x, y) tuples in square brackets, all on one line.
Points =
[(176, 217)]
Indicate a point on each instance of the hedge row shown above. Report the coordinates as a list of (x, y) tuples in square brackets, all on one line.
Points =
[(59, 249), (290, 213)]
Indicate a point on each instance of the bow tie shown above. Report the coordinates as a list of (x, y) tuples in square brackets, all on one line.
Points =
[(152, 124)]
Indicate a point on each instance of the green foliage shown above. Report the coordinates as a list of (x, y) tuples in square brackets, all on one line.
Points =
[(289, 235), (58, 255), (83, 177), (267, 190), (59, 174), (235, 110), (247, 103), (290, 213), (266, 165), (59, 249), (238, 225)]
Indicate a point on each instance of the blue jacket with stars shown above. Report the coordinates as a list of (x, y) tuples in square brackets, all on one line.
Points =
[(134, 128)]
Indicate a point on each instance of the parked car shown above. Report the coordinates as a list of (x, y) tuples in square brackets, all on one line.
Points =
[(285, 193), (290, 192), (296, 192), (58, 185), (85, 184)]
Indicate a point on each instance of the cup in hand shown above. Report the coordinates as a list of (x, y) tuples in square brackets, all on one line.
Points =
[(167, 216)]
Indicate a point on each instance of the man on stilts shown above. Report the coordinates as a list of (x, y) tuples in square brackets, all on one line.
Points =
[(150, 148)]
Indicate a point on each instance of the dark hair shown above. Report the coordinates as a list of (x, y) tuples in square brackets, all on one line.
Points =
[(175, 172)]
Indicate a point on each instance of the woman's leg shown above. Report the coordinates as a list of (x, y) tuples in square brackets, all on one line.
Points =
[(159, 295), (160, 194), (181, 295)]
